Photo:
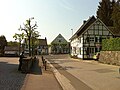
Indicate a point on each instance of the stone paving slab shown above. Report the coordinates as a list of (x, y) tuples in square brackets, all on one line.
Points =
[(10, 78)]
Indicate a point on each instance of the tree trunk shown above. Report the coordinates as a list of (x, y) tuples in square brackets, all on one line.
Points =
[(29, 46)]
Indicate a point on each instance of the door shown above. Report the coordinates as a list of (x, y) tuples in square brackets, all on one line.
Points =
[(91, 51)]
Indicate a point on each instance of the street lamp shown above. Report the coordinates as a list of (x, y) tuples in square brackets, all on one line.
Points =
[(72, 31)]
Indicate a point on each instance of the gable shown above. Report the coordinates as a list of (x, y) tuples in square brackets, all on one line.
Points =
[(83, 27), (59, 39), (86, 25), (98, 28)]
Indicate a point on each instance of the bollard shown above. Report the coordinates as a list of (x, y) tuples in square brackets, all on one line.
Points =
[(45, 64), (119, 70), (43, 60), (42, 57)]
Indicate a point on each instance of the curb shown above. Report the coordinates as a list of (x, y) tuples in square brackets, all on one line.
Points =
[(64, 82), (25, 82)]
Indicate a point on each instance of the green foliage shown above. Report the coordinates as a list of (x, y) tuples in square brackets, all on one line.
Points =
[(19, 37), (29, 30), (116, 16), (112, 44), (3, 43), (104, 11)]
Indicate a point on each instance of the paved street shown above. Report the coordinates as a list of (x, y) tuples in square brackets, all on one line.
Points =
[(10, 78), (72, 74), (85, 75), (38, 79)]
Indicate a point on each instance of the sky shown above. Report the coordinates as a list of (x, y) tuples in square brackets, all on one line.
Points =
[(53, 17)]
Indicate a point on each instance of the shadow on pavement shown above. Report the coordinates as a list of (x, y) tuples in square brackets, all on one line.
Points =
[(10, 77), (36, 69)]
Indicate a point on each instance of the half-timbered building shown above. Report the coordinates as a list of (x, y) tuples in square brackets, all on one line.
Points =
[(88, 39)]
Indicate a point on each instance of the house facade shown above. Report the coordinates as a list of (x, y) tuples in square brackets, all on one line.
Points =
[(60, 45), (87, 41), (42, 47), (11, 51)]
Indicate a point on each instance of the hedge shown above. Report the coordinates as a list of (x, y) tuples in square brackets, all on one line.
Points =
[(112, 44)]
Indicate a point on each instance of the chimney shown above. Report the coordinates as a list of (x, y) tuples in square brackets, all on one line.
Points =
[(84, 21)]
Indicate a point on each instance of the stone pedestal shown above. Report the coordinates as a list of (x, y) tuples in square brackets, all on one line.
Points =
[(26, 64)]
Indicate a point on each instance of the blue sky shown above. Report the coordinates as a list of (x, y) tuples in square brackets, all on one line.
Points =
[(53, 16)]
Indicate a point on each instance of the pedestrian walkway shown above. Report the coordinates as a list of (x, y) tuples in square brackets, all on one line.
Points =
[(40, 79), (10, 77)]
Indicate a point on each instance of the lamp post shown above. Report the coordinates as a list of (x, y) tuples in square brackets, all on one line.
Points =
[(72, 31)]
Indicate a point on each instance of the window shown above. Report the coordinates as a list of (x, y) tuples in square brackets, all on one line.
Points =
[(98, 39), (80, 39), (80, 50), (91, 50), (91, 39)]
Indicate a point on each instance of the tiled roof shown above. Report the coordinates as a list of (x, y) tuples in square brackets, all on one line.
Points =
[(59, 39), (90, 21), (11, 48), (42, 42), (84, 27)]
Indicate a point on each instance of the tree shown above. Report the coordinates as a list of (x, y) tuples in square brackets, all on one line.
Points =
[(104, 11), (34, 38), (19, 37), (116, 16), (3, 43), (29, 29)]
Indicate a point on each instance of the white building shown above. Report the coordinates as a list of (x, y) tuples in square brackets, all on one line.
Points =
[(60, 45), (87, 41)]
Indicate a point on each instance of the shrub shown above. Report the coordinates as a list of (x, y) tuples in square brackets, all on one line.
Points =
[(112, 44)]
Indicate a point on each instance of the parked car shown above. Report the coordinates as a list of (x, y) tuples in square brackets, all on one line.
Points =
[(96, 56), (11, 53)]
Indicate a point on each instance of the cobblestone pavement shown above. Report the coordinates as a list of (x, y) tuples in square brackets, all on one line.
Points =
[(10, 78)]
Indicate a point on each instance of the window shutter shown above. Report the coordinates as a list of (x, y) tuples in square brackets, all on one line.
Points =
[(95, 49), (96, 39), (87, 39), (100, 38)]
